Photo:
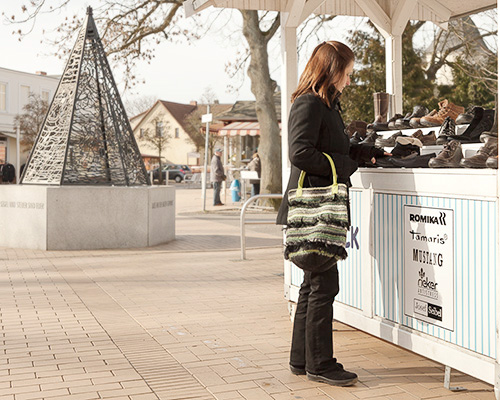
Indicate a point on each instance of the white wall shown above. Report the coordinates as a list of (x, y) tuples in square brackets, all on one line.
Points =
[(14, 81)]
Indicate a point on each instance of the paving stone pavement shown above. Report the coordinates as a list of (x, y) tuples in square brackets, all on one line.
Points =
[(185, 320)]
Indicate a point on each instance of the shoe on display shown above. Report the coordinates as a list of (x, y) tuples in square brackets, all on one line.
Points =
[(466, 117), (448, 128), (405, 140), (389, 142), (476, 128), (404, 150), (494, 129), (356, 126), (370, 138), (446, 109), (391, 124), (413, 161), (478, 160), (492, 162), (357, 137), (427, 140), (449, 157), (404, 122), (336, 377), (415, 121)]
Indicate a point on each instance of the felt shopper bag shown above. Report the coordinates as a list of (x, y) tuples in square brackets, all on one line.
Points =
[(317, 224)]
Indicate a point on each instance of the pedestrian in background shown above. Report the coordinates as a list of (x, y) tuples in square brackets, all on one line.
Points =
[(254, 165), (315, 127), (217, 176)]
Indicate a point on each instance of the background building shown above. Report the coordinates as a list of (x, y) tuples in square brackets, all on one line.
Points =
[(15, 88)]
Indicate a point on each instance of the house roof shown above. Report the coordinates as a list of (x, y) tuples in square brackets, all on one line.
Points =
[(179, 111), (245, 110)]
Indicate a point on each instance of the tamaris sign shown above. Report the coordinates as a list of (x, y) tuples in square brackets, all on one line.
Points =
[(429, 265)]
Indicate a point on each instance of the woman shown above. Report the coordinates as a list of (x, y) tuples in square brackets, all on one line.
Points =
[(315, 126)]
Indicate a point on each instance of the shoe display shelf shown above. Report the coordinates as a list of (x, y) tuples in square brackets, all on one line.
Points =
[(468, 149)]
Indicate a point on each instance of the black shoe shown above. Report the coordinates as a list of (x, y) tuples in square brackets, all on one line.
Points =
[(357, 137), (337, 377), (476, 127), (448, 128), (297, 370), (389, 142), (404, 122), (466, 117), (413, 162), (370, 138), (391, 124)]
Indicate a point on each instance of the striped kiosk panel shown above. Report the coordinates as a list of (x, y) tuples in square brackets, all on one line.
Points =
[(474, 268), (349, 269)]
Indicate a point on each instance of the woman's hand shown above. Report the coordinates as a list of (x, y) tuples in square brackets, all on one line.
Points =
[(374, 160)]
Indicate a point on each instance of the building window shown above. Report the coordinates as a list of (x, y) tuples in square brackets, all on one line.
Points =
[(46, 96), (141, 133), (24, 96), (3, 97), (176, 132), (159, 128)]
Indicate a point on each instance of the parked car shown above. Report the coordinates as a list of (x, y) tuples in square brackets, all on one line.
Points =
[(177, 172)]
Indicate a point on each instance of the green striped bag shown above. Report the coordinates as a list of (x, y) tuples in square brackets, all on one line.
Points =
[(317, 224)]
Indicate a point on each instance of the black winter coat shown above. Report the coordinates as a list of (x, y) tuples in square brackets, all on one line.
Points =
[(314, 128)]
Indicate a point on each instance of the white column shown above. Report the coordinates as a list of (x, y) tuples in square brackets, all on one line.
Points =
[(497, 363), (394, 72), (288, 85), (18, 154)]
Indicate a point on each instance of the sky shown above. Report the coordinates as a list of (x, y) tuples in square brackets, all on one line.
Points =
[(180, 72)]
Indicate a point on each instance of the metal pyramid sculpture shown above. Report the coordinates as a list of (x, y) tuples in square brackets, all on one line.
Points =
[(86, 138)]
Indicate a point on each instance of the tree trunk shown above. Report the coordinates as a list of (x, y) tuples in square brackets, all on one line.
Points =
[(263, 87)]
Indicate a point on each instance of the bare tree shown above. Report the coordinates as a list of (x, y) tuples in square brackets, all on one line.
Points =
[(194, 126), (31, 120), (139, 104), (130, 28), (263, 88), (157, 137)]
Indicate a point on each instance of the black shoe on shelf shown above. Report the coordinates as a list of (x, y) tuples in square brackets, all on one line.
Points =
[(476, 127), (357, 137), (466, 117), (336, 377), (391, 124), (403, 122), (448, 128), (370, 138), (390, 141)]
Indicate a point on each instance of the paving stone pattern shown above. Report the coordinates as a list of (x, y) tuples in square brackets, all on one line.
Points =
[(186, 320)]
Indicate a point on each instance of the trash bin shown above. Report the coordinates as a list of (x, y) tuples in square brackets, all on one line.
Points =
[(235, 191)]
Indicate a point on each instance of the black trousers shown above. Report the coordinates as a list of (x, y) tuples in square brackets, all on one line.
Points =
[(312, 341)]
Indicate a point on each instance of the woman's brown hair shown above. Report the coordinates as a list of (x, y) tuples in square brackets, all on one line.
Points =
[(328, 62)]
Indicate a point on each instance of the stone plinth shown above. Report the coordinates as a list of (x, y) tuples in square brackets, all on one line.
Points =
[(85, 217)]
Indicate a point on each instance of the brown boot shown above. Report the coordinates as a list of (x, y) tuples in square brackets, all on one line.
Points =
[(492, 162), (427, 140), (478, 160), (448, 158), (381, 107), (446, 109)]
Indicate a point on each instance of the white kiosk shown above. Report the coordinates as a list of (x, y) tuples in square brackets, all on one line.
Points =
[(381, 293)]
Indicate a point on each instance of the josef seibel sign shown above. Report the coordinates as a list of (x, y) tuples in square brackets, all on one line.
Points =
[(429, 265)]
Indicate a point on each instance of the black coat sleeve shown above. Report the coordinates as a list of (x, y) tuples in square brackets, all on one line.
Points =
[(304, 135)]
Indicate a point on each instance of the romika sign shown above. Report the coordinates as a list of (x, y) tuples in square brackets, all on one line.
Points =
[(429, 265)]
